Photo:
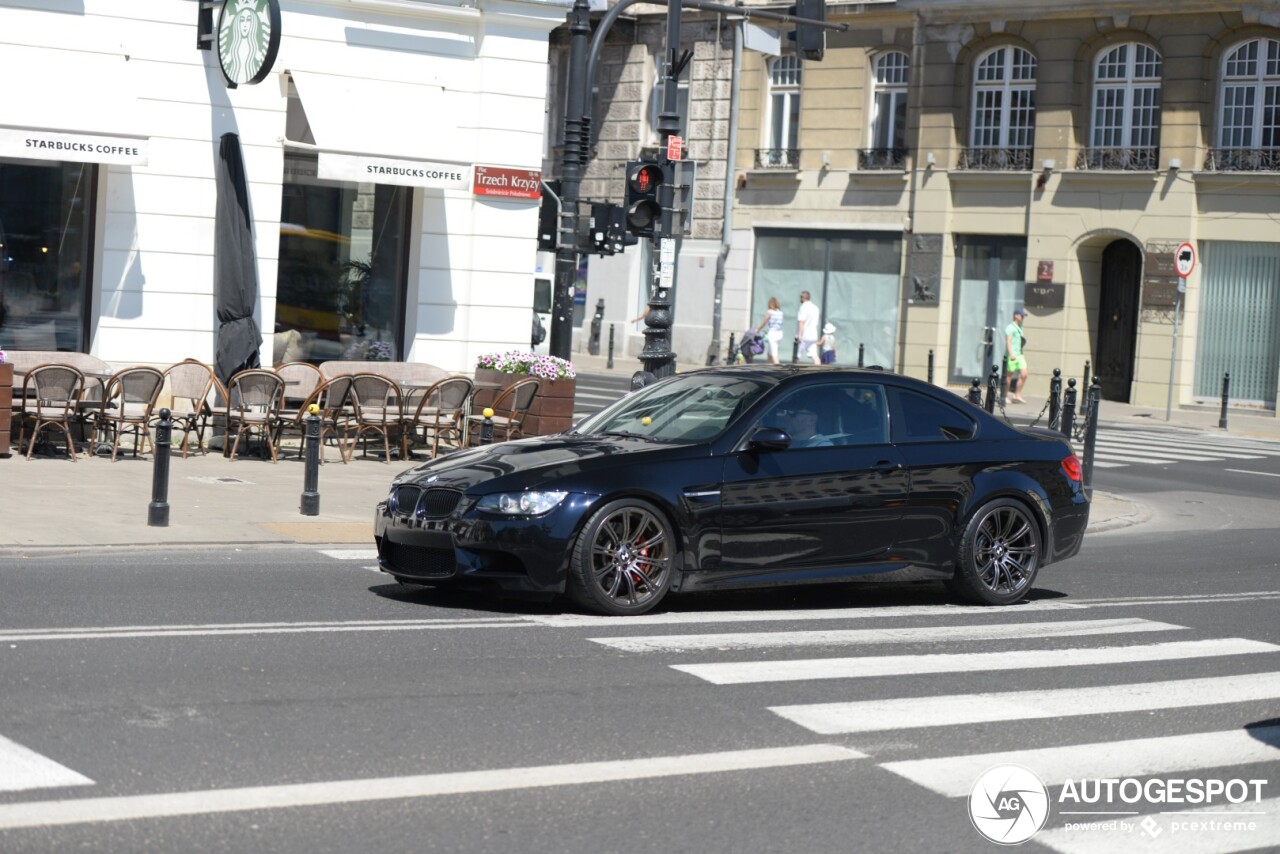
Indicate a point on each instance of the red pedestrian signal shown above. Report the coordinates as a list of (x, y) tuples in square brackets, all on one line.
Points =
[(644, 211)]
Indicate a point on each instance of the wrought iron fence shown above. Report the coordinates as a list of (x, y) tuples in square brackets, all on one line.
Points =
[(777, 158), (1243, 160), (882, 158), (1119, 159), (996, 159)]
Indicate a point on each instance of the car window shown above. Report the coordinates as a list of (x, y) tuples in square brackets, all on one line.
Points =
[(921, 418), (832, 415), (684, 408)]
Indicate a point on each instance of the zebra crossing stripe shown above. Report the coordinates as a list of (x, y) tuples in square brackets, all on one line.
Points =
[(350, 554), (739, 673), (849, 637), (953, 776), (22, 769), (1248, 826), (1201, 441), (956, 709), (1182, 452)]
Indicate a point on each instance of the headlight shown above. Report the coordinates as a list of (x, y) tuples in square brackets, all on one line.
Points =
[(521, 503)]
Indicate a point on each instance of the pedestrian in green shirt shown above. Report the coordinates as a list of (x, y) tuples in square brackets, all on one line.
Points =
[(1015, 368)]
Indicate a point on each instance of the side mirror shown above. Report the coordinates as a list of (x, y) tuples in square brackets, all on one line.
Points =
[(768, 439)]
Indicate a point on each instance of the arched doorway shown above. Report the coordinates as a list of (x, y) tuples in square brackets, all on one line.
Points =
[(1118, 319)]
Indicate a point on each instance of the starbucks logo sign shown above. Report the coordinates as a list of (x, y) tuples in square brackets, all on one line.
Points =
[(248, 39)]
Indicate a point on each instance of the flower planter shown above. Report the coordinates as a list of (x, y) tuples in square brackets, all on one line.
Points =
[(6, 407), (552, 409)]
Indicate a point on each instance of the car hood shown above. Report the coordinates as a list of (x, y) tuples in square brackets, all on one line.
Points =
[(529, 463)]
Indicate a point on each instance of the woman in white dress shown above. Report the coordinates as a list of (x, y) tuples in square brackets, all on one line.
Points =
[(773, 322)]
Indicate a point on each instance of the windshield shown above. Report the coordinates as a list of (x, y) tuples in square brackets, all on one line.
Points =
[(686, 408)]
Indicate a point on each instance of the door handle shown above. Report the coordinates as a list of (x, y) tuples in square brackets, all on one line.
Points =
[(886, 466)]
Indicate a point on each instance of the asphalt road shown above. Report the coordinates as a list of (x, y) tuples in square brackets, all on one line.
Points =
[(182, 690)]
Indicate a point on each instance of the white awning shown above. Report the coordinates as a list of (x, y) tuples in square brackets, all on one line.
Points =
[(66, 105), (400, 129)]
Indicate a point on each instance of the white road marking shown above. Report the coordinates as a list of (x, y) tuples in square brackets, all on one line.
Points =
[(953, 776), (350, 554), (82, 811), (914, 712), (1233, 446), (744, 672), (1165, 836), (22, 768), (848, 637), (1183, 452), (1136, 451), (114, 632), (1247, 471)]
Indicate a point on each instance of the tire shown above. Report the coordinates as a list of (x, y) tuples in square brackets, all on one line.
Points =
[(623, 560), (999, 554)]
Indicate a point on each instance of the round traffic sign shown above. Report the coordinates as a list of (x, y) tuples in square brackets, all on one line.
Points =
[(1185, 259)]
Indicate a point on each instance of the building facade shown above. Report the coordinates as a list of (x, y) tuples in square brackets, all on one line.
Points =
[(948, 162), (391, 152)]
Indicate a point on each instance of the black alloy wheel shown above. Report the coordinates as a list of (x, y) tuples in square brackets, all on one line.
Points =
[(623, 559), (999, 554)]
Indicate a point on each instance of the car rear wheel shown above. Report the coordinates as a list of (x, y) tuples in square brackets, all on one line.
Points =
[(999, 554), (623, 559)]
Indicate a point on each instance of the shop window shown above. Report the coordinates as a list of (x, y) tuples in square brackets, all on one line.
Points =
[(46, 228), (342, 281), (989, 286), (1126, 110), (855, 278), (1003, 120), (1248, 137)]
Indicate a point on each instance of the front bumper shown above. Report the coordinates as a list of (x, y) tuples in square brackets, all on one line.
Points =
[(476, 548)]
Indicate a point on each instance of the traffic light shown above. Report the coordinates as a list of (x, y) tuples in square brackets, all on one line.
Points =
[(811, 41), (549, 217), (643, 210), (607, 229)]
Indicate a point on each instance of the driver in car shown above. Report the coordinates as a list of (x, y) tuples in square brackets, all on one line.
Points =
[(801, 424)]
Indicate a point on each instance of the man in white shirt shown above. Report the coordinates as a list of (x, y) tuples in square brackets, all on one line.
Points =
[(808, 319)]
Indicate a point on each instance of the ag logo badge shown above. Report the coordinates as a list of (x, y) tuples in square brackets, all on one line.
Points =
[(1009, 805)]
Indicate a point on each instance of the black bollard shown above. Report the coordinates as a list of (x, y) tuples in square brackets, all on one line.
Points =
[(795, 350), (311, 472), (1087, 381), (609, 364), (1069, 409), (1004, 381), (593, 342), (993, 380), (975, 392), (1055, 398), (158, 509), (732, 358), (1085, 384), (859, 355), (1093, 395), (930, 367), (486, 427), (1226, 392)]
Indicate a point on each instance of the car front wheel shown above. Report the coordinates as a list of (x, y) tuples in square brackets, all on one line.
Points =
[(623, 559), (999, 554)]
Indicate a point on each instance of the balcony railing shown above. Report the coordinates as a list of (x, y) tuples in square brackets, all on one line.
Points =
[(996, 159), (882, 158), (777, 158), (1119, 159), (1243, 160)]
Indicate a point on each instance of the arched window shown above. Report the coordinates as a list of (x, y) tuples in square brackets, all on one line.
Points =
[(1126, 110), (782, 147), (1004, 111), (888, 123), (1249, 119)]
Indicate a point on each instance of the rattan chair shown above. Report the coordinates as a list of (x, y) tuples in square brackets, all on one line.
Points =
[(253, 406), (376, 400), (337, 416), (192, 384), (509, 410), (127, 403), (438, 415), (50, 395)]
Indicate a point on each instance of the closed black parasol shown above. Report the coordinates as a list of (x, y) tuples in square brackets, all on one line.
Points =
[(235, 266)]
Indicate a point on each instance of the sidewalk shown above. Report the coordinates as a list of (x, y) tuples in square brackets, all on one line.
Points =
[(54, 503)]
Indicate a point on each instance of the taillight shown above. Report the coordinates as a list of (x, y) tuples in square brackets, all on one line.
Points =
[(1071, 468)]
